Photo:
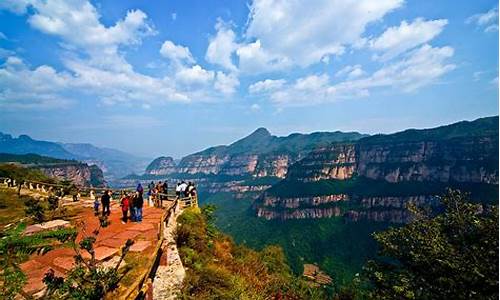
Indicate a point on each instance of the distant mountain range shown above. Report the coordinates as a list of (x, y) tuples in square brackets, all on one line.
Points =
[(308, 175), (259, 154), (114, 163)]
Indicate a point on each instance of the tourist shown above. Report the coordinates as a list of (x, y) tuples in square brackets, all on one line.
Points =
[(189, 189), (96, 206), (105, 200), (139, 189), (131, 204), (183, 187), (178, 191), (125, 207), (139, 201), (165, 191)]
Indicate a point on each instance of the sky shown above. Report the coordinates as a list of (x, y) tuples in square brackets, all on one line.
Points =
[(173, 77)]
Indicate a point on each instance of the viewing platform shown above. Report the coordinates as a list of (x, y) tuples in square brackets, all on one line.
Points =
[(154, 268)]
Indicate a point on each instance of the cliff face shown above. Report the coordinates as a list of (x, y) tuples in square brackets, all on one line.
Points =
[(333, 162), (473, 159), (414, 164), (470, 159), (258, 155), (238, 164), (79, 173), (161, 166)]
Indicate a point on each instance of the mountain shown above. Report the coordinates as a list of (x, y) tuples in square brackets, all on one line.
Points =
[(24, 145), (260, 154), (62, 169), (114, 163), (161, 166), (380, 174)]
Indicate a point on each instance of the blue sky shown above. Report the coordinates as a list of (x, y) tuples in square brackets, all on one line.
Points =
[(173, 77)]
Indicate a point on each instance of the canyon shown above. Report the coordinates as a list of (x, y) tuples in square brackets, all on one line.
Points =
[(297, 176)]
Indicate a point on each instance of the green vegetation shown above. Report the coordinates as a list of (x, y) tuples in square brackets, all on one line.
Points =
[(451, 256), (219, 269), (20, 173), (339, 248), (31, 159), (480, 127), (87, 280), (16, 248), (11, 206), (262, 142)]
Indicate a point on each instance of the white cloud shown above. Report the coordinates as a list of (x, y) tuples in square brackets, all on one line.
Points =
[(351, 72), (255, 107), (398, 39), (221, 47), (226, 83), (254, 59), (487, 20), (95, 65), (176, 53), (294, 31), (4, 53), (18, 7), (37, 88), (194, 75), (266, 86), (416, 69)]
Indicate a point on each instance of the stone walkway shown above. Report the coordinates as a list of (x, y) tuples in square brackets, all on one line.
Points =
[(170, 274), (107, 247)]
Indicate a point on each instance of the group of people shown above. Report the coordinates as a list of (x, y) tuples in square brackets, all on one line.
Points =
[(130, 203), (184, 189), (158, 192)]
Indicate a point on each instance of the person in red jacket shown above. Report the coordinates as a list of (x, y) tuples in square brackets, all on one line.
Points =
[(125, 203)]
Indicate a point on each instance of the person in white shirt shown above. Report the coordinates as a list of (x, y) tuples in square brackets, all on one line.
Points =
[(183, 188), (178, 190)]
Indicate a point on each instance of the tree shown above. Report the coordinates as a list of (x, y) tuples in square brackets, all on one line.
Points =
[(15, 247), (453, 255), (87, 280)]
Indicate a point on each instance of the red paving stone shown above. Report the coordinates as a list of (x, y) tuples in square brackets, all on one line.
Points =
[(129, 234), (142, 226), (102, 253), (140, 246), (113, 243), (109, 242), (65, 262)]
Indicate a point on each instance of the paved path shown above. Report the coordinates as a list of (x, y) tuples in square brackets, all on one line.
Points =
[(107, 246)]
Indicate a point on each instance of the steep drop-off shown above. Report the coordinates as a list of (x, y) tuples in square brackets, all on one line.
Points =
[(418, 163)]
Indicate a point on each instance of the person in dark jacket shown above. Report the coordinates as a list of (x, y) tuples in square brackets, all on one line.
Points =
[(139, 201), (131, 205), (139, 189), (105, 200)]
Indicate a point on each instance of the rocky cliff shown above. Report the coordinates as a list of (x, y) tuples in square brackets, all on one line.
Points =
[(259, 155), (161, 166), (79, 173), (402, 157), (383, 173)]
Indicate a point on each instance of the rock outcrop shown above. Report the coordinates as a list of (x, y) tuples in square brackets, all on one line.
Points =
[(468, 159), (79, 173), (418, 163), (161, 166), (259, 155)]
